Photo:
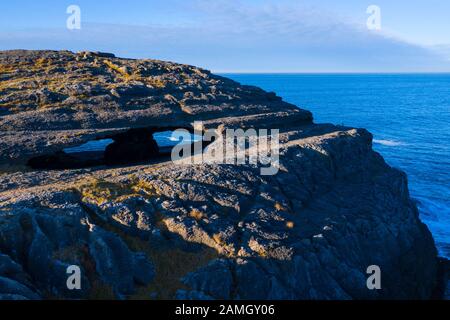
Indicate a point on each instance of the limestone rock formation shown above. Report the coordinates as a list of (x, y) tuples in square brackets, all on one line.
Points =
[(203, 231), (52, 100)]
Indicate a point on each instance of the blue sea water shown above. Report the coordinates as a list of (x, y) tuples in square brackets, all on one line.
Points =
[(163, 139), (409, 115)]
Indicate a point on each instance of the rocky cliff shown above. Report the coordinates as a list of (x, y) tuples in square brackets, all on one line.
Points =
[(205, 231)]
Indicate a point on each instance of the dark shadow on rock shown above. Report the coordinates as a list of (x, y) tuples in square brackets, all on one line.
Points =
[(61, 160), (135, 145)]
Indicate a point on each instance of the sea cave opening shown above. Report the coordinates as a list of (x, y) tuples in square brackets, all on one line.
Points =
[(135, 146)]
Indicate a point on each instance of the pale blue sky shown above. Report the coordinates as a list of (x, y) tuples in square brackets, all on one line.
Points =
[(245, 35)]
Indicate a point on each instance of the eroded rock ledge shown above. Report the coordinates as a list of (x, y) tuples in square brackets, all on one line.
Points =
[(200, 231)]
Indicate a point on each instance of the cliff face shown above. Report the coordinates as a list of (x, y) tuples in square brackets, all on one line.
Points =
[(167, 230)]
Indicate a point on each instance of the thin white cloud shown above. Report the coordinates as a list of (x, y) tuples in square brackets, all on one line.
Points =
[(443, 50), (235, 36)]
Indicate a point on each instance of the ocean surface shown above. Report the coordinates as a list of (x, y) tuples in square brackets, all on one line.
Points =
[(408, 114)]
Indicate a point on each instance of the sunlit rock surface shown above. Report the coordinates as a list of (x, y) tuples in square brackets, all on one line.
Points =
[(205, 231)]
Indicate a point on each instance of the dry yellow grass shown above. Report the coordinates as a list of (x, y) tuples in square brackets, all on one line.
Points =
[(196, 214), (4, 68), (116, 68), (155, 82), (99, 192)]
